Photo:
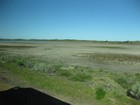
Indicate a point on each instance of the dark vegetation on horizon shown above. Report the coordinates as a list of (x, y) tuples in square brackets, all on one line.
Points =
[(106, 41)]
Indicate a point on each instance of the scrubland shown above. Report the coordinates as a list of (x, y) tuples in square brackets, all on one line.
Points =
[(79, 72)]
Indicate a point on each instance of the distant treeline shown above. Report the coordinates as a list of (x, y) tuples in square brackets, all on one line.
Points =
[(97, 41)]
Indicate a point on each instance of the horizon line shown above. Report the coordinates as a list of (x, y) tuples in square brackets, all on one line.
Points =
[(36, 39)]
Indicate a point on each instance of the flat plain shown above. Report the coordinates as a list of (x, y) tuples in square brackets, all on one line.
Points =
[(79, 72)]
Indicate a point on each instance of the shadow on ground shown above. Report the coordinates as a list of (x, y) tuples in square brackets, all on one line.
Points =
[(27, 96)]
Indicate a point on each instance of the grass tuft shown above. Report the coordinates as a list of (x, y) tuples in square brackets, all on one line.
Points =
[(81, 77), (100, 93)]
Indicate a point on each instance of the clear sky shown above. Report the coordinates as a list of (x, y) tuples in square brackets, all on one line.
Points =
[(115, 20)]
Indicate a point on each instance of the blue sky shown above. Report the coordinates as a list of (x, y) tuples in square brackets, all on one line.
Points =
[(115, 20)]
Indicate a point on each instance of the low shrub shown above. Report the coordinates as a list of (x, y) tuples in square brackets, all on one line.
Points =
[(25, 62), (64, 73), (81, 77), (137, 76), (134, 91), (39, 67), (43, 67), (123, 82), (20, 61), (100, 93), (5, 58)]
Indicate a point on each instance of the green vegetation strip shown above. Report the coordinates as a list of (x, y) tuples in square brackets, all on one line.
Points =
[(108, 47), (17, 47), (67, 88), (113, 57), (53, 83), (80, 83)]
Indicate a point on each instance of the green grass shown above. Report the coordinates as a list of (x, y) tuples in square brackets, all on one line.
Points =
[(64, 73), (65, 87), (100, 93), (53, 84), (13, 46), (81, 77)]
